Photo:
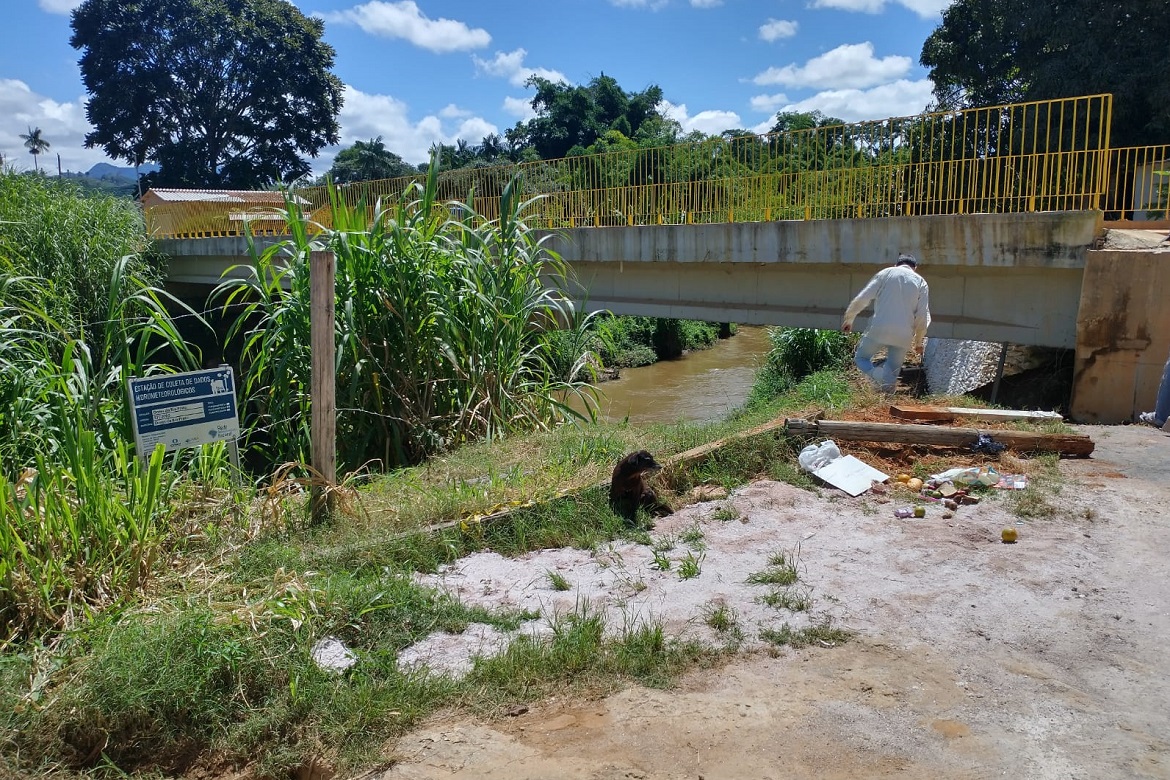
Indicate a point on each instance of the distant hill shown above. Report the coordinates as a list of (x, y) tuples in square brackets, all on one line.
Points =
[(108, 172)]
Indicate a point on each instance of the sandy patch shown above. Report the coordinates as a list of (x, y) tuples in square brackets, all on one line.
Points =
[(972, 658)]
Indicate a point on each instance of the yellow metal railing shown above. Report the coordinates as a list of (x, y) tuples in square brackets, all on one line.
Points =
[(1139, 184), (1037, 156)]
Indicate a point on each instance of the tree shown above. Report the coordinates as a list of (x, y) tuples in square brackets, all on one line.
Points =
[(576, 116), (219, 93), (35, 144), (366, 161), (988, 52)]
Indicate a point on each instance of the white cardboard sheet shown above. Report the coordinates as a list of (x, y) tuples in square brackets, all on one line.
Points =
[(850, 474)]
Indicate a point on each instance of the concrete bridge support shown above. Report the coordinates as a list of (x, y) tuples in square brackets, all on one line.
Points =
[(1123, 334)]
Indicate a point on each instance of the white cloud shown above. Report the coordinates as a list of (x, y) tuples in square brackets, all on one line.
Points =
[(711, 122), (519, 107), (769, 103), (62, 124), (775, 29), (851, 66), (58, 6), (706, 3), (452, 111), (900, 98), (510, 65), (365, 116), (924, 8), (404, 20)]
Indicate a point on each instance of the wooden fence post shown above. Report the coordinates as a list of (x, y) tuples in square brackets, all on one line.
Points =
[(323, 385)]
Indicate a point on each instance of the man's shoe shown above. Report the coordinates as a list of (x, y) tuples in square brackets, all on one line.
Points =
[(1148, 419)]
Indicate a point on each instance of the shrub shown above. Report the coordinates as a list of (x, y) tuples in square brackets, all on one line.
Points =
[(438, 330), (72, 240), (797, 353), (627, 342)]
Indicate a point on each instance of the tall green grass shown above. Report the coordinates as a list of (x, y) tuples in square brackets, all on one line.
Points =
[(82, 521), (441, 320), (71, 240)]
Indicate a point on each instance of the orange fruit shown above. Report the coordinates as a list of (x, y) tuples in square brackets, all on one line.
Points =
[(1008, 535)]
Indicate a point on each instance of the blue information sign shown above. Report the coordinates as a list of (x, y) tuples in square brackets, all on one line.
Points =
[(184, 410)]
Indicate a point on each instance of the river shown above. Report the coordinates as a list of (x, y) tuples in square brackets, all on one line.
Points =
[(700, 386)]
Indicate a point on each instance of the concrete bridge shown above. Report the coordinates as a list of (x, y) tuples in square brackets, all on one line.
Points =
[(1029, 279)]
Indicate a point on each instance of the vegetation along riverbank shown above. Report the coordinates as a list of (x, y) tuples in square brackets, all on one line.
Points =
[(158, 617)]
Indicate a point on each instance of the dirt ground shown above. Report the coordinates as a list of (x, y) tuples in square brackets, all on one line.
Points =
[(971, 658)]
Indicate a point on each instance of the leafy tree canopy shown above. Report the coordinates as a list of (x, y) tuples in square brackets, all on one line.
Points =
[(576, 116), (367, 161), (987, 52), (220, 93), (792, 121)]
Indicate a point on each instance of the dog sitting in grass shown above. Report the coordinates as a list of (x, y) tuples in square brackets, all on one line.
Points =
[(629, 488)]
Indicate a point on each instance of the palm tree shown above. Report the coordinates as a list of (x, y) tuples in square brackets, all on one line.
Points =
[(35, 145)]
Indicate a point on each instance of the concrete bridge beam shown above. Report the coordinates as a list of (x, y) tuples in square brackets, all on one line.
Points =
[(992, 277)]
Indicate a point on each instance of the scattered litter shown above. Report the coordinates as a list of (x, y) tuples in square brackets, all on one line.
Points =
[(970, 475), (816, 456), (332, 655), (910, 511), (1012, 482), (844, 472), (850, 474), (985, 445)]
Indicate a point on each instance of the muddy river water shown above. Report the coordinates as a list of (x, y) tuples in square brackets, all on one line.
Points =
[(702, 385)]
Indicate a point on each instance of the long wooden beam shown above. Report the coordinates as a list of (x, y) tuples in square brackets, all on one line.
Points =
[(1071, 445)]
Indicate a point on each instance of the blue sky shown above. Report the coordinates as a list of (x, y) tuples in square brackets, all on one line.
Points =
[(420, 71)]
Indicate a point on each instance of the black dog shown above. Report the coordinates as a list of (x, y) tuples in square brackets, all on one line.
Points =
[(628, 489)]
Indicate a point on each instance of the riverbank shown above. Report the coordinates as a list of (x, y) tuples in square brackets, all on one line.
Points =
[(237, 689)]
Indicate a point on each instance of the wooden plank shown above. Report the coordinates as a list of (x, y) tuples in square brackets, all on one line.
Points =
[(1002, 414), (1074, 445), (323, 384), (948, 413), (921, 413)]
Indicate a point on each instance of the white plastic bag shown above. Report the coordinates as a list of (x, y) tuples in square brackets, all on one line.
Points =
[(972, 475), (817, 456)]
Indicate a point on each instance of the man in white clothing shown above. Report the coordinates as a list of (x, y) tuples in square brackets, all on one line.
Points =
[(901, 315)]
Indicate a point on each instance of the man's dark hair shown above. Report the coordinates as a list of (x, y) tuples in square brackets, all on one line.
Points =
[(907, 260)]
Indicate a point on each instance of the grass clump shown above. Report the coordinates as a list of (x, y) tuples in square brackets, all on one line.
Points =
[(690, 566), (821, 633), (693, 537), (558, 581), (791, 599), (781, 571), (724, 620)]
